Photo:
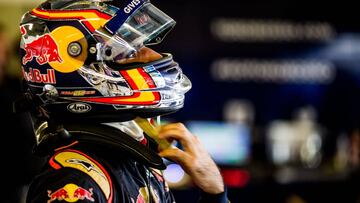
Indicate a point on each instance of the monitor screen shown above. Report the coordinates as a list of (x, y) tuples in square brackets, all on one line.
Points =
[(228, 144)]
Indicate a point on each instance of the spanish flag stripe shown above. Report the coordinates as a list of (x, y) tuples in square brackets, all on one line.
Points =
[(137, 79), (129, 79), (150, 82)]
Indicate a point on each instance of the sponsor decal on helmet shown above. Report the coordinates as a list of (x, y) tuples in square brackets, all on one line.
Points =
[(34, 75), (131, 6), (71, 193), (43, 48), (78, 93), (79, 107)]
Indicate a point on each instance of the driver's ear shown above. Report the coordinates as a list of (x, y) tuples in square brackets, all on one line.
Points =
[(144, 55)]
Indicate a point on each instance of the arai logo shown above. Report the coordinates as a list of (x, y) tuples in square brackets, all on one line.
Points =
[(79, 107)]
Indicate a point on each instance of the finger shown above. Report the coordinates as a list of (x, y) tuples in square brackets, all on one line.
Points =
[(182, 131), (176, 155), (176, 134), (173, 126), (178, 131), (185, 138)]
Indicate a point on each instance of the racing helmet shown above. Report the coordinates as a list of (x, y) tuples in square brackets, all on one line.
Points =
[(81, 60)]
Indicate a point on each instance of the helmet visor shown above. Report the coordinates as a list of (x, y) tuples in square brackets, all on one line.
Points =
[(145, 25)]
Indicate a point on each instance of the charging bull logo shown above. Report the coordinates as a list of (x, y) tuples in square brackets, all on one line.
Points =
[(70, 193), (43, 48)]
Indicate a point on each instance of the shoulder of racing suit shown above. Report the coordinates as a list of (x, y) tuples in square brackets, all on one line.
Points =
[(71, 158), (65, 185), (73, 176), (88, 153)]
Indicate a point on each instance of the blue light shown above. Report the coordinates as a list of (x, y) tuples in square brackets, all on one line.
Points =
[(174, 173)]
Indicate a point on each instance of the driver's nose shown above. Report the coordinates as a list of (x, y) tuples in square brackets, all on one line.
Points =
[(144, 55)]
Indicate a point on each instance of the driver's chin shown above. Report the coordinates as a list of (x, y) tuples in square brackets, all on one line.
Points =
[(144, 55)]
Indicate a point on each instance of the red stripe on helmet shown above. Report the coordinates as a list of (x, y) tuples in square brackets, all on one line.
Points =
[(74, 15), (119, 99), (150, 82)]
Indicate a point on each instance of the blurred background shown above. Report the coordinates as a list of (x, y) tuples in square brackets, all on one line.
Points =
[(275, 98)]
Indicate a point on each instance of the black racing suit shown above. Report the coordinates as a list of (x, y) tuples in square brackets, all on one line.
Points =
[(92, 171)]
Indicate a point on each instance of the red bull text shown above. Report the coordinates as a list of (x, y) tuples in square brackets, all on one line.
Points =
[(34, 75)]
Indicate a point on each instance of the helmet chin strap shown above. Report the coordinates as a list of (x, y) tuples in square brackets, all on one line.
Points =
[(130, 128), (152, 132), (137, 127)]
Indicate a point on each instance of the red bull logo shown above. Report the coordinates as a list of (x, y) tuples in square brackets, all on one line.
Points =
[(82, 194), (60, 194), (34, 75), (70, 193), (43, 48)]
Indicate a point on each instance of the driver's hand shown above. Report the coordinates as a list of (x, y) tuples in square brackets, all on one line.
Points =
[(194, 159)]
